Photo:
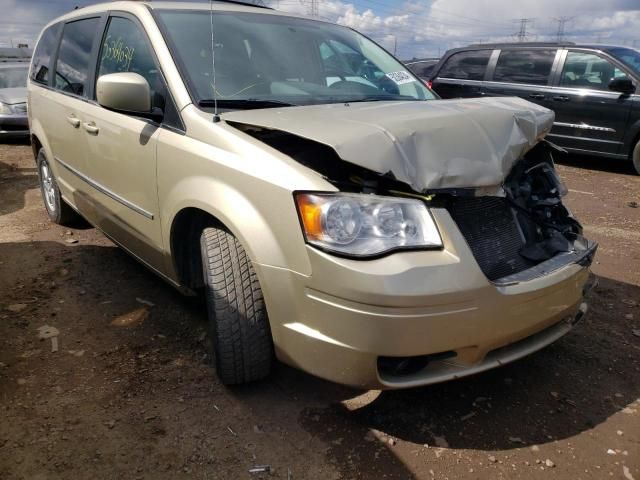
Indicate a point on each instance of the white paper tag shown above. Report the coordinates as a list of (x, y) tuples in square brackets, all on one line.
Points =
[(400, 78)]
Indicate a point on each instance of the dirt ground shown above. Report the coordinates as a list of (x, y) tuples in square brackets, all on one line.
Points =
[(131, 393)]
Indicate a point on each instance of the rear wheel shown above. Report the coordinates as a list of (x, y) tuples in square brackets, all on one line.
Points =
[(635, 157), (59, 212), (240, 332)]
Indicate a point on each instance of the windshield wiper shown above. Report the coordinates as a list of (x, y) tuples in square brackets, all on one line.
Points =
[(382, 98), (244, 104)]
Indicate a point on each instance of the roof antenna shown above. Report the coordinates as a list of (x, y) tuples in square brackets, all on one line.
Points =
[(216, 115)]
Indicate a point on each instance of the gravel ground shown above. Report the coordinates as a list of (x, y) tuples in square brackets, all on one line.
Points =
[(131, 393)]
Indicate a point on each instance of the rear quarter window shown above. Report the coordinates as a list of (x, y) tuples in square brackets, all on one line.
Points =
[(466, 65), (422, 69), (524, 66), (41, 62)]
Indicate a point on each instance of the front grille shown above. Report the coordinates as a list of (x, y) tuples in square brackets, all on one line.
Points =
[(490, 228), (13, 128)]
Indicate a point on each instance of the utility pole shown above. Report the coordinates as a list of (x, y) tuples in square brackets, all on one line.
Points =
[(315, 8), (562, 21), (524, 22)]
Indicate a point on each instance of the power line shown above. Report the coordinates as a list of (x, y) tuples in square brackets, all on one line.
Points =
[(562, 21), (524, 22)]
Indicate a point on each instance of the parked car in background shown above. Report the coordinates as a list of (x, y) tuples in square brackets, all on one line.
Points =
[(14, 123), (332, 211), (13, 55), (593, 89), (423, 68)]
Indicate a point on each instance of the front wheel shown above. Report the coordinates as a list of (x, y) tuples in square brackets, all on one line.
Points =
[(635, 157), (59, 212), (240, 332)]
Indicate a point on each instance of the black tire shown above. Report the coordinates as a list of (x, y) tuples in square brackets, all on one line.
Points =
[(240, 333), (635, 157), (57, 209)]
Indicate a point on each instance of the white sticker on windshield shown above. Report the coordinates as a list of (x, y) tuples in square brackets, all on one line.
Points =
[(400, 78)]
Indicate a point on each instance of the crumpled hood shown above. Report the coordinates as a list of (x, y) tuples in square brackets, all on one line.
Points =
[(13, 95), (428, 145)]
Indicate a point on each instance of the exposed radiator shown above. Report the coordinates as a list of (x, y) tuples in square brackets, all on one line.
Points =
[(490, 228)]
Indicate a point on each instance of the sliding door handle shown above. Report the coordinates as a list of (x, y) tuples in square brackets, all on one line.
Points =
[(73, 121), (561, 98), (91, 128), (536, 96)]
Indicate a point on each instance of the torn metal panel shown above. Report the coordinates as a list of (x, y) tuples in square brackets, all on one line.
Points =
[(427, 145)]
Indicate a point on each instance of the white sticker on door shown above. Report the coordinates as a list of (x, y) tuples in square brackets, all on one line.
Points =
[(400, 78)]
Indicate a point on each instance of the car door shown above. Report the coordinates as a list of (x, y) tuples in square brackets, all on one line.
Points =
[(589, 116), (61, 106), (121, 148), (462, 74), (525, 73)]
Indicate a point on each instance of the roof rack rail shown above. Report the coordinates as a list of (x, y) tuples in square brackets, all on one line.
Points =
[(248, 3), (254, 3), (523, 44)]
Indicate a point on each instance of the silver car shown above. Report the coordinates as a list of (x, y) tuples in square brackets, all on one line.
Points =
[(13, 100)]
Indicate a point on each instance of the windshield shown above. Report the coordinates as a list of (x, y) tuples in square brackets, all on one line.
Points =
[(13, 77), (628, 56), (270, 60)]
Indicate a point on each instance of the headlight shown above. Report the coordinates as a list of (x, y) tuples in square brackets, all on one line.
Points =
[(5, 109), (366, 225)]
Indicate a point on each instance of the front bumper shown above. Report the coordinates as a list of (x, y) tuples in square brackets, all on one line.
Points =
[(348, 318), (14, 126)]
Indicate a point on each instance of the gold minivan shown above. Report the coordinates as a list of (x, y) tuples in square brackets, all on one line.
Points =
[(335, 213)]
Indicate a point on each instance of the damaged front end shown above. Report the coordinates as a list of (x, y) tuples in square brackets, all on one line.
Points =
[(525, 232), (505, 195)]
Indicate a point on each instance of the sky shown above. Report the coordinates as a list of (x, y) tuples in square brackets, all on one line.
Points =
[(412, 28)]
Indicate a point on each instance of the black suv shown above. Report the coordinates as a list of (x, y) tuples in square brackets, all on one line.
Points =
[(593, 89)]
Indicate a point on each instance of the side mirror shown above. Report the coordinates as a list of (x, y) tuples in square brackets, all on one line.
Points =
[(124, 92), (623, 85)]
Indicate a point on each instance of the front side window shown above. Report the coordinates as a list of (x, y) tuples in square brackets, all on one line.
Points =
[(588, 70), (13, 77), (72, 68), (40, 64), (524, 66), (628, 56), (273, 59), (466, 65), (125, 49)]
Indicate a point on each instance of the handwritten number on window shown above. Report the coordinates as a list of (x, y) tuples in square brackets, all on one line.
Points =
[(116, 51)]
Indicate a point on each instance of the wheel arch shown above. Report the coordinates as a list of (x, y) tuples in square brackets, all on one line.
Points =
[(39, 140), (224, 208), (184, 244)]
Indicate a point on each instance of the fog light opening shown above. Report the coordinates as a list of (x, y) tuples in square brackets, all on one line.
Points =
[(407, 366)]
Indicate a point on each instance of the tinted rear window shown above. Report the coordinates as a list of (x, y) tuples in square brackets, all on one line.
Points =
[(42, 57), (466, 65), (524, 66), (72, 68)]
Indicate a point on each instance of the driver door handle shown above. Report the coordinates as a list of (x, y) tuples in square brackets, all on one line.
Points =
[(91, 128), (73, 121), (536, 96)]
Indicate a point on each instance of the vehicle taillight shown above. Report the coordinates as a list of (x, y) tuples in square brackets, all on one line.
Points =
[(429, 84)]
